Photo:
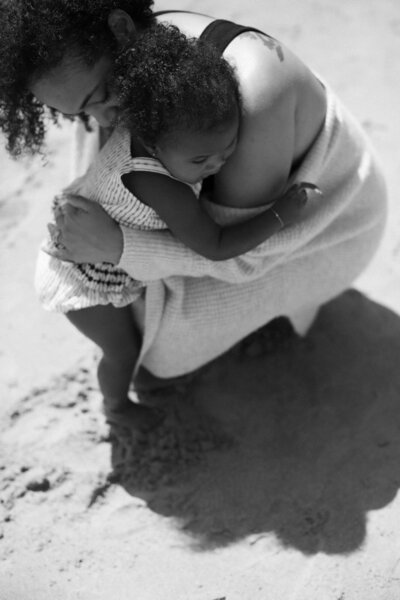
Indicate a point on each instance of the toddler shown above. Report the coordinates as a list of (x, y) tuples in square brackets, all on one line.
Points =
[(179, 122)]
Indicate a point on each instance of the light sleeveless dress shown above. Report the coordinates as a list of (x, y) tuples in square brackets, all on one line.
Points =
[(64, 286)]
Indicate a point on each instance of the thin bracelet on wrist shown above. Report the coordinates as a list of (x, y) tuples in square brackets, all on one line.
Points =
[(282, 224)]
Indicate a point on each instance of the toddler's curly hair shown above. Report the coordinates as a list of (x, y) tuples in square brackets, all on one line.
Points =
[(168, 83), (35, 37)]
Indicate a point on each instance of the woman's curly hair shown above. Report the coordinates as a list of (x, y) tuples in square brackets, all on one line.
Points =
[(167, 82), (35, 37)]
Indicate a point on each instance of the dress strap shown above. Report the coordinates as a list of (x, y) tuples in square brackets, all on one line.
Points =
[(221, 32), (159, 13)]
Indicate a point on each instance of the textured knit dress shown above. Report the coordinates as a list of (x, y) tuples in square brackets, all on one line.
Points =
[(64, 286)]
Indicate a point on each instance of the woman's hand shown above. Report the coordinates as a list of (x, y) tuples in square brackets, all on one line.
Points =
[(85, 232)]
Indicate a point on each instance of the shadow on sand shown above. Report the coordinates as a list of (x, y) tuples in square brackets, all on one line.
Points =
[(301, 442)]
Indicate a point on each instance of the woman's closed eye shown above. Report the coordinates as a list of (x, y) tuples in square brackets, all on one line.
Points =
[(105, 96), (103, 99)]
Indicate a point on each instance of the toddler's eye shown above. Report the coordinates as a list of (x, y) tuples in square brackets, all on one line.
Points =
[(199, 161)]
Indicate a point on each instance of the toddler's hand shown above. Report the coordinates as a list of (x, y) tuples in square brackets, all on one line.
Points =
[(289, 206)]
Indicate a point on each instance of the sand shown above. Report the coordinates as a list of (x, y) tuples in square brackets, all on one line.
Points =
[(274, 471)]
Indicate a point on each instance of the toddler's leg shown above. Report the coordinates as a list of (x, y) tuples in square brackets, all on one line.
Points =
[(303, 320), (113, 330)]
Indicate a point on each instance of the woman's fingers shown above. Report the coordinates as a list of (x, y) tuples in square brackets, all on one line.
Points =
[(86, 231), (78, 202), (53, 231), (67, 214), (61, 254), (55, 236)]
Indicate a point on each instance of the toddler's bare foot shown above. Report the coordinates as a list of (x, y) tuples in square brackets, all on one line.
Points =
[(132, 416)]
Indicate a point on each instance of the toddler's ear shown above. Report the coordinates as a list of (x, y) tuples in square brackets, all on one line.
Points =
[(122, 27), (152, 150)]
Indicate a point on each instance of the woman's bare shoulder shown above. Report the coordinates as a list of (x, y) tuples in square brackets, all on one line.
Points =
[(255, 56), (283, 109), (265, 67), (269, 82)]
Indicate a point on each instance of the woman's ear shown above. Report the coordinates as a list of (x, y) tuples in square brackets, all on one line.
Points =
[(122, 27)]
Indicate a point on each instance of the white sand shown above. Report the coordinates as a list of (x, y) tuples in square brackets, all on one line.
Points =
[(275, 473)]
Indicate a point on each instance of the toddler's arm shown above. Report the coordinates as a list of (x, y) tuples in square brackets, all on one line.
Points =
[(184, 215)]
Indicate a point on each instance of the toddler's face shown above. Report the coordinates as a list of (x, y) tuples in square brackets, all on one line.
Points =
[(192, 156)]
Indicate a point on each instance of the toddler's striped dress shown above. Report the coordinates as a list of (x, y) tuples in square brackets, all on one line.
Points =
[(64, 286)]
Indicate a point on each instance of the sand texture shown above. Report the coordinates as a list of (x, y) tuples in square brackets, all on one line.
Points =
[(273, 473)]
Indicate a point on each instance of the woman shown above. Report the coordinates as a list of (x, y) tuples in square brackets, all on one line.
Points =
[(293, 128)]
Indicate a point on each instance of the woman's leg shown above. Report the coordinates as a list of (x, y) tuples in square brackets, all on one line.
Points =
[(114, 331)]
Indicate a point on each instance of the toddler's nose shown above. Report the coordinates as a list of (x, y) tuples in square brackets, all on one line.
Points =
[(104, 115), (216, 165)]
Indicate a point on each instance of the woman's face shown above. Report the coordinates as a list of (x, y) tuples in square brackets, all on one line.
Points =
[(74, 88)]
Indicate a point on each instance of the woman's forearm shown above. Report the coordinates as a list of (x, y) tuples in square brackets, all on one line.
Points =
[(152, 255)]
